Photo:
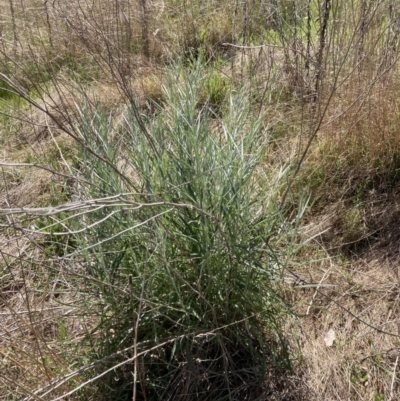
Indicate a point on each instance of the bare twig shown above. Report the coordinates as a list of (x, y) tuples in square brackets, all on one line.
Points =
[(393, 377)]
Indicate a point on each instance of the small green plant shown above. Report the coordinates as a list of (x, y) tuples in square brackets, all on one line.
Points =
[(216, 90), (6, 91), (354, 228), (56, 240), (359, 375), (378, 397), (355, 291)]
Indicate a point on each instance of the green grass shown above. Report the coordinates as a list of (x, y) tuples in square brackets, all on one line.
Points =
[(195, 267)]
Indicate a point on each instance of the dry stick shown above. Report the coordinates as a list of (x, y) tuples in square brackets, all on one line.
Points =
[(363, 31), (322, 44), (138, 298), (28, 324), (135, 350), (35, 311), (15, 30), (58, 148), (59, 382), (308, 51), (97, 202), (69, 232), (267, 81), (394, 31), (318, 286), (393, 378), (107, 201), (364, 310), (295, 78), (69, 207), (48, 23), (145, 28), (115, 235), (245, 33), (124, 86), (365, 92), (235, 13)]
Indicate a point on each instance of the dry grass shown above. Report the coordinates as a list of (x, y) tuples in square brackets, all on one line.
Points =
[(361, 143), (40, 321), (354, 293), (360, 306)]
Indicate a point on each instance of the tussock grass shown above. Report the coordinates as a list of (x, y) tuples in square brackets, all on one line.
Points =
[(196, 252)]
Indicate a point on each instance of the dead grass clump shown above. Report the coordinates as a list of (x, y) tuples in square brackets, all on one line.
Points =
[(364, 133), (352, 227), (32, 189), (195, 28), (147, 85)]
